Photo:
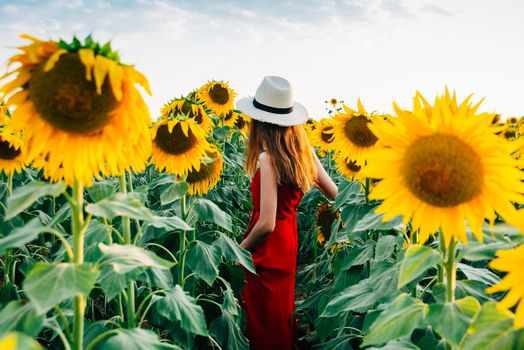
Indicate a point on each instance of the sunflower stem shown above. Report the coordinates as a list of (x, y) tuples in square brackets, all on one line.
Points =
[(182, 244), (451, 272), (440, 268), (78, 250), (10, 184), (366, 189), (126, 227), (315, 254)]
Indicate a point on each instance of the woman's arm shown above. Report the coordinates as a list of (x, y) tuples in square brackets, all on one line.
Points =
[(324, 182), (268, 204)]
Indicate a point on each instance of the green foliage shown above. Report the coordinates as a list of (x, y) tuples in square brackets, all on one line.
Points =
[(48, 285), (23, 197)]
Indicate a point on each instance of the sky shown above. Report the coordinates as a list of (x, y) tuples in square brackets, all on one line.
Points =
[(379, 50)]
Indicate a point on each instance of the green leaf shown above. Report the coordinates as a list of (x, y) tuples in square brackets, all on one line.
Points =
[(136, 339), (399, 319), (20, 236), (48, 285), (19, 341), (478, 274), (360, 297), (232, 251), (24, 196), (456, 319), (174, 191), (207, 211), (476, 251), (397, 345), (386, 246), (373, 221), (120, 204), (101, 190), (417, 260), (170, 223), (179, 306), (358, 256), (121, 264), (493, 329), (21, 317), (204, 259), (349, 193)]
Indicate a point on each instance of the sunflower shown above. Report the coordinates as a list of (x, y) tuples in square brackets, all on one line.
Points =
[(79, 109), (322, 135), (242, 123), (217, 97), (207, 176), (510, 261), (190, 108), (512, 121), (349, 168), (12, 151), (309, 126), (441, 170), (325, 217), (230, 118), (352, 135), (179, 144)]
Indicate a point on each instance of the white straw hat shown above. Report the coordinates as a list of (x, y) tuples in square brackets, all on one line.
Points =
[(273, 103)]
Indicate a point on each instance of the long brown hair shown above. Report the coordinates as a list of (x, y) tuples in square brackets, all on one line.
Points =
[(290, 152)]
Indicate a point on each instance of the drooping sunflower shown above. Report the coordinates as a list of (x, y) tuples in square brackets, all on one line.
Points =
[(349, 168), (79, 109), (510, 261), (179, 144), (207, 176), (217, 97), (322, 135), (352, 135), (190, 108), (442, 170), (325, 216)]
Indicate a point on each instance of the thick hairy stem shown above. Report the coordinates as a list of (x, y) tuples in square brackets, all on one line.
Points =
[(126, 227), (182, 262), (451, 272), (78, 251)]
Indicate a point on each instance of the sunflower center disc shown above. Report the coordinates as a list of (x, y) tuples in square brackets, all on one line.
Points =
[(326, 134), (219, 94), (205, 172), (352, 165), (442, 170), (175, 142), (228, 116), (357, 132), (240, 123), (66, 100), (7, 151)]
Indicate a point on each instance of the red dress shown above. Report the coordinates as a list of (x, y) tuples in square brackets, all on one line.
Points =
[(269, 297)]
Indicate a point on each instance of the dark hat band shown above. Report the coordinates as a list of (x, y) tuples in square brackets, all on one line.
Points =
[(272, 109)]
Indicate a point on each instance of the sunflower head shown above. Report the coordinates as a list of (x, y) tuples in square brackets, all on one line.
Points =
[(351, 133), (325, 217), (179, 144), (217, 97), (207, 176), (322, 135), (442, 166), (230, 118), (79, 96), (349, 168), (242, 122), (186, 107), (512, 120), (333, 102)]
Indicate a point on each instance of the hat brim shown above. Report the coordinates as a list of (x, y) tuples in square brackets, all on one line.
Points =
[(297, 117)]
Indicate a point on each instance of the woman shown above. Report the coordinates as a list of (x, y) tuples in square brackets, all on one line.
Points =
[(287, 168)]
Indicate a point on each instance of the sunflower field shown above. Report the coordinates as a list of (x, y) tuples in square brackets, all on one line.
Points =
[(121, 230)]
